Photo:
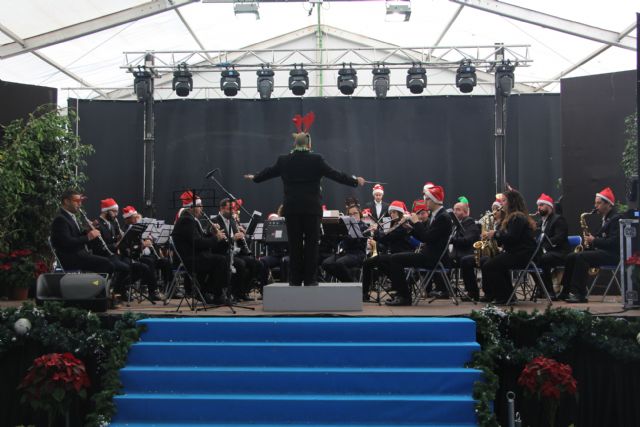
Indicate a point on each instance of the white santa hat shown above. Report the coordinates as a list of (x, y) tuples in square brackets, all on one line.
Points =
[(378, 189)]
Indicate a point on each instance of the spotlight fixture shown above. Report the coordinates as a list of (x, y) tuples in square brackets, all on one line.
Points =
[(265, 82), (466, 76), (504, 78), (380, 81), (230, 82), (248, 9), (298, 80), (398, 10), (416, 78), (182, 80), (347, 80), (143, 84)]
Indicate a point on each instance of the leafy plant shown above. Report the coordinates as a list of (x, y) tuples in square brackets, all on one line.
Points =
[(630, 153)]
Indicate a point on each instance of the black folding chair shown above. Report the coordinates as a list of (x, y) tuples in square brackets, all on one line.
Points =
[(180, 273), (425, 275), (522, 277)]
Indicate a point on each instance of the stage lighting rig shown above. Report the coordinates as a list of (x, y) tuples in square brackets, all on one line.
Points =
[(466, 76), (347, 80), (298, 80), (143, 83), (398, 10), (416, 78), (504, 78), (380, 81), (230, 82), (182, 80), (265, 82)]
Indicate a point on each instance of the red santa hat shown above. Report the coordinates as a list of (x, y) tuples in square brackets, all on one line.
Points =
[(435, 193), (129, 211), (419, 205), (378, 189), (398, 206), (187, 199), (497, 203), (107, 205), (366, 212), (272, 216), (427, 187), (607, 195), (545, 199)]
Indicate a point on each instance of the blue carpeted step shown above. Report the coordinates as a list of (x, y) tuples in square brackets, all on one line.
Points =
[(310, 354), (243, 380), (270, 329), (286, 409), (184, 423)]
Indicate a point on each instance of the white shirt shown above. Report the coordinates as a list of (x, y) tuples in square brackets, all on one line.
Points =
[(378, 208)]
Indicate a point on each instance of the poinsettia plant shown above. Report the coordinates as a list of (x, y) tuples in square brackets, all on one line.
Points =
[(53, 382), (18, 268)]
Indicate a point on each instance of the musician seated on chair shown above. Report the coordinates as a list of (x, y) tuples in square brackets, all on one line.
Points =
[(248, 268), (601, 248), (70, 241), (554, 246), (195, 247), (351, 253), (435, 236), (516, 235), (395, 240), (463, 240)]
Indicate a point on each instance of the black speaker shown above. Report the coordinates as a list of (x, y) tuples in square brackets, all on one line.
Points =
[(83, 290)]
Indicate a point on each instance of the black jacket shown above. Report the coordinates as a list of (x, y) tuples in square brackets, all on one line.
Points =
[(395, 241), (557, 231), (301, 173), (464, 239), (435, 236), (372, 207), (190, 240), (517, 237), (110, 232), (355, 246), (242, 244), (67, 239), (607, 237)]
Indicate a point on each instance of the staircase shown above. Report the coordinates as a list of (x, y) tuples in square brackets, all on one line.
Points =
[(295, 371)]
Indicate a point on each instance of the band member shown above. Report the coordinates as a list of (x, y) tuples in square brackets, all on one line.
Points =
[(70, 241), (352, 251), (395, 240), (248, 268), (516, 235), (378, 208), (301, 172), (194, 247), (276, 256), (602, 248), (434, 235), (555, 245), (462, 243), (111, 233)]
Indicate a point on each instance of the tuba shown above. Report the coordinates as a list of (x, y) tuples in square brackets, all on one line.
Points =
[(487, 247)]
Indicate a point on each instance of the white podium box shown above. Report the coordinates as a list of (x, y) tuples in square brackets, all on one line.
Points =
[(324, 297)]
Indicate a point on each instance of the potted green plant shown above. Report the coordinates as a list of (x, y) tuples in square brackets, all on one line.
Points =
[(18, 271)]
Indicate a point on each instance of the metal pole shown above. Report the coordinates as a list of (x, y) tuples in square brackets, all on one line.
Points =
[(638, 112), (500, 132), (148, 147)]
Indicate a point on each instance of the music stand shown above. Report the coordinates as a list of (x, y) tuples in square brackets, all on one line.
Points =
[(131, 238), (256, 217), (353, 229), (163, 235)]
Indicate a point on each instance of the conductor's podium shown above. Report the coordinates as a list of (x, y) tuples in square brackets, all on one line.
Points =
[(324, 297)]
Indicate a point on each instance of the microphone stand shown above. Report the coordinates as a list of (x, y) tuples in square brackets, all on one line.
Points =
[(231, 197)]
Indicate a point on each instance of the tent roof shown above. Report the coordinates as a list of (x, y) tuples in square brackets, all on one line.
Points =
[(39, 42)]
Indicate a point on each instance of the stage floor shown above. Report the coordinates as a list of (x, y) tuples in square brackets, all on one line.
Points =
[(612, 307)]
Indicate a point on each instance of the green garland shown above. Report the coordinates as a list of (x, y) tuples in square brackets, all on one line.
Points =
[(550, 334), (55, 328)]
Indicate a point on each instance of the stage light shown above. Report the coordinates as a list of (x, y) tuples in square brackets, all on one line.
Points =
[(246, 9), (182, 80), (298, 80), (466, 76), (398, 10), (416, 78), (230, 82), (380, 81), (504, 78), (347, 80), (143, 84), (265, 82)]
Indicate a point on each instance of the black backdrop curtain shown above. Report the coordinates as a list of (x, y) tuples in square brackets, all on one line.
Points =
[(403, 142)]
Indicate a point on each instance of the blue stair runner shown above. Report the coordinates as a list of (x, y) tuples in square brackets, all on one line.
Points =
[(296, 371)]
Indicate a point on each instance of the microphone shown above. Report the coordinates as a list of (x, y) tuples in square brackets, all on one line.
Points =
[(211, 172)]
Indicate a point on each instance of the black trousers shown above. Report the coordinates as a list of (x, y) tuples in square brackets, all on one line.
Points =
[(338, 266), (394, 268), (212, 271), (303, 233), (546, 263), (371, 268), (269, 262), (496, 278), (467, 265), (576, 269), (86, 262), (251, 271)]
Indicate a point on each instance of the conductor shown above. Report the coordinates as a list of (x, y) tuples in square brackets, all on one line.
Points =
[(301, 172)]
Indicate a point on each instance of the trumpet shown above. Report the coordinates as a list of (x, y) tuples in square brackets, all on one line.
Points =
[(100, 239)]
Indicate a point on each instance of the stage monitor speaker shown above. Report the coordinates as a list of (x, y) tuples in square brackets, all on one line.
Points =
[(84, 290)]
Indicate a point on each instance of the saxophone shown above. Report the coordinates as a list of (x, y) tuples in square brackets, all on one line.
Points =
[(486, 247), (584, 227)]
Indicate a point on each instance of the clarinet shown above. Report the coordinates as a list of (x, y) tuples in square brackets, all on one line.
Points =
[(229, 239), (104, 244)]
